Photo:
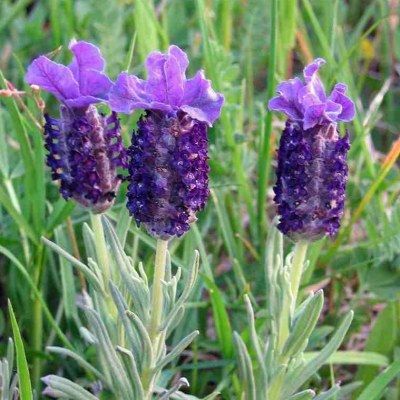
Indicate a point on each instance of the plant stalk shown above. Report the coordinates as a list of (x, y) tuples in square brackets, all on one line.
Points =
[(156, 311), (157, 298), (299, 257)]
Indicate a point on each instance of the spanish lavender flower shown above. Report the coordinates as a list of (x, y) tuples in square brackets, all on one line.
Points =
[(168, 170), (85, 147), (312, 167)]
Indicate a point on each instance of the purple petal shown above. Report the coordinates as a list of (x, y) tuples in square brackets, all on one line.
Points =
[(87, 66), (94, 83), (52, 77), (287, 100), (338, 95), (332, 110), (280, 104), (312, 115), (200, 101), (128, 94), (314, 84), (166, 76), (86, 56), (82, 101)]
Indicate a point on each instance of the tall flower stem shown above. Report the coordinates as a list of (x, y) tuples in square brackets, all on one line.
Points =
[(288, 307), (289, 302), (299, 257), (157, 304), (157, 298)]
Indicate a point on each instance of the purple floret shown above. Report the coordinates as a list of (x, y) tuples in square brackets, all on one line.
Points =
[(167, 89), (312, 168), (307, 103), (78, 85), (168, 172), (85, 151)]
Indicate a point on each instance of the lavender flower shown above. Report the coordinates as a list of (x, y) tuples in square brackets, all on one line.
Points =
[(312, 167), (85, 147), (168, 168)]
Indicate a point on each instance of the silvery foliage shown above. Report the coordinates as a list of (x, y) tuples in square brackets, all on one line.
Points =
[(118, 314), (272, 365), (8, 379)]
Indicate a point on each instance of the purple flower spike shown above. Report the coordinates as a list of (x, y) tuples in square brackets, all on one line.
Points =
[(80, 84), (307, 103), (84, 147), (312, 167), (167, 89), (84, 152), (168, 168), (168, 173)]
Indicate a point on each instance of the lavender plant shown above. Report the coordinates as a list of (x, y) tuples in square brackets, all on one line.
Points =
[(310, 194), (168, 184), (129, 357)]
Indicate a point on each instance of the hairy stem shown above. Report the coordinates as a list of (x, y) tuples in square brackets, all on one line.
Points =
[(156, 310), (157, 299), (299, 257)]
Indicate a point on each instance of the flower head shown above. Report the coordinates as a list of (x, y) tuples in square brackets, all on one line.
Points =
[(77, 85), (312, 170), (307, 103), (168, 168), (167, 89), (84, 147)]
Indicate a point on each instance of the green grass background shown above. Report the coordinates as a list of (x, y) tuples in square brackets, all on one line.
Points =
[(245, 47)]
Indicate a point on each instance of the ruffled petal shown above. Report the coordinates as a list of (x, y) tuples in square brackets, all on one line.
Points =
[(314, 84), (332, 110), (86, 56), (128, 93), (87, 67), (200, 101), (338, 95), (53, 77), (166, 76), (287, 99), (306, 102), (312, 115), (95, 84)]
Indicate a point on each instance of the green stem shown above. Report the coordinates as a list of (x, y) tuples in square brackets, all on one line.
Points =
[(156, 311), (299, 257), (157, 298), (289, 301), (288, 307), (101, 247)]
